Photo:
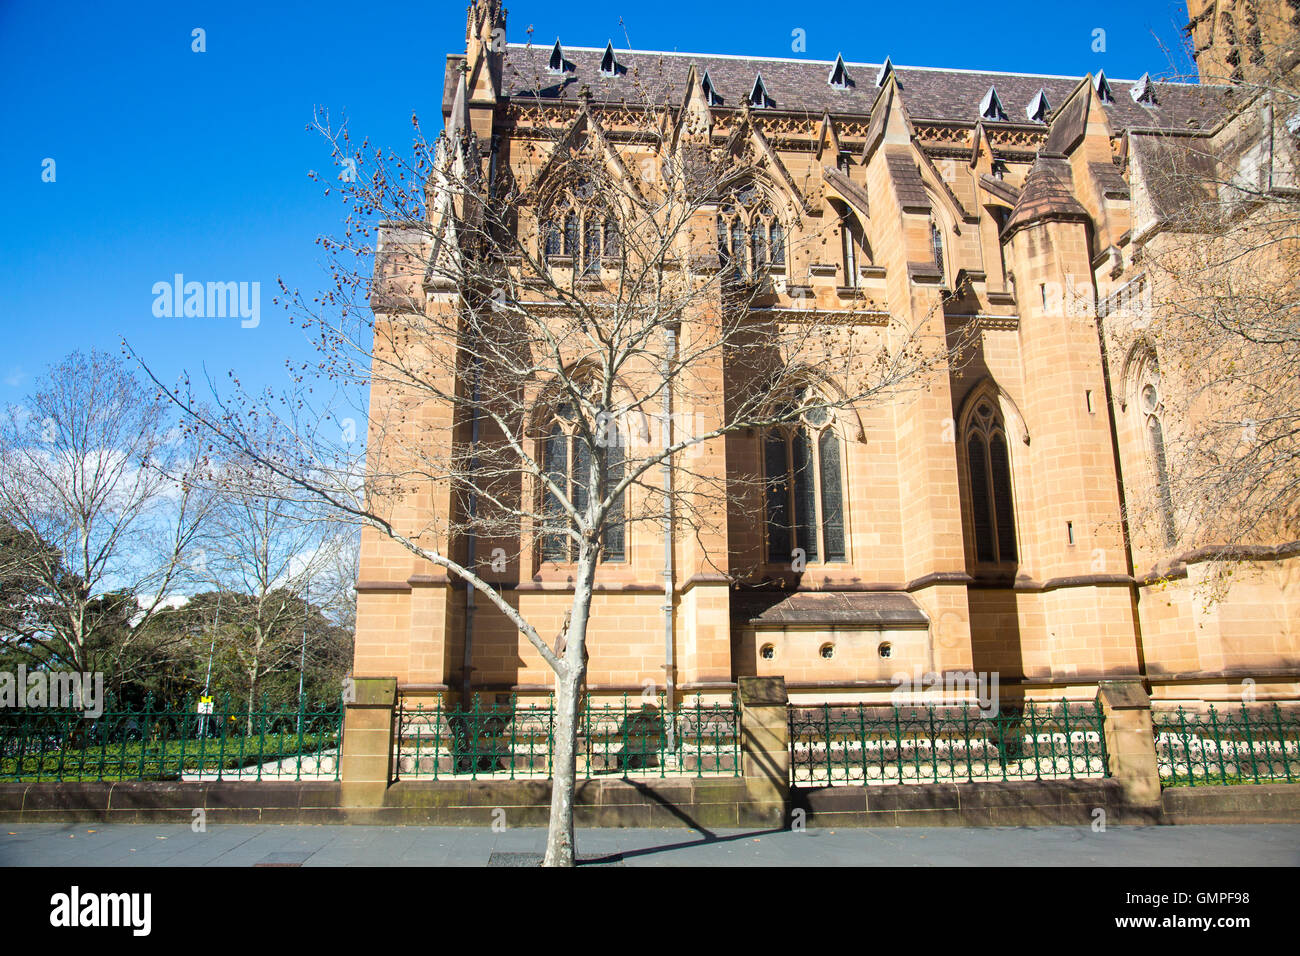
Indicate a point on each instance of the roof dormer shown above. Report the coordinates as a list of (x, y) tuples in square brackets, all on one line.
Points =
[(885, 73), (557, 63), (1038, 108), (991, 106), (1102, 86), (839, 77), (710, 91), (1144, 91), (758, 97), (609, 65)]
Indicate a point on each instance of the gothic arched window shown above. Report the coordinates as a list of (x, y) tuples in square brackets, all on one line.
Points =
[(1151, 410), (992, 507), (936, 245), (576, 226), (751, 238), (567, 463), (804, 488)]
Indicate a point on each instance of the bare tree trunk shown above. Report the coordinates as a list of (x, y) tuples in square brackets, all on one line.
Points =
[(568, 693), (559, 836), (252, 699)]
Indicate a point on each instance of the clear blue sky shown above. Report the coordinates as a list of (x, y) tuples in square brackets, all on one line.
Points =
[(169, 161)]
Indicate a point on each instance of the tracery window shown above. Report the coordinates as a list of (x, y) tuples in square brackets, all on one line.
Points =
[(804, 488), (751, 238), (990, 485), (567, 463), (578, 227)]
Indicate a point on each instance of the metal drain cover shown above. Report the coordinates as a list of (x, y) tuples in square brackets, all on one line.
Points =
[(535, 859)]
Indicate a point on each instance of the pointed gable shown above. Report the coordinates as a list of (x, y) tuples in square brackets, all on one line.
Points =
[(828, 140), (746, 133), (1070, 122), (758, 97), (571, 141), (694, 120)]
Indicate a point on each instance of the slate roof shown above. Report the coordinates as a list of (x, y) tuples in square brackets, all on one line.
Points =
[(943, 95), (908, 185), (865, 609), (1004, 191), (847, 188)]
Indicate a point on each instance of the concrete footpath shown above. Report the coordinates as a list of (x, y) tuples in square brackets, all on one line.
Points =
[(91, 845)]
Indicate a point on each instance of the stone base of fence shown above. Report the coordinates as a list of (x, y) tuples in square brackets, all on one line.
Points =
[(1022, 803), (1247, 803), (701, 804)]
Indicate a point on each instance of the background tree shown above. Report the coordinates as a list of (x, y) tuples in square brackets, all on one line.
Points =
[(264, 548), (102, 516)]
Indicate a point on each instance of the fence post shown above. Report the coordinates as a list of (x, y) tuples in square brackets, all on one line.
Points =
[(765, 749), (1130, 740), (368, 730)]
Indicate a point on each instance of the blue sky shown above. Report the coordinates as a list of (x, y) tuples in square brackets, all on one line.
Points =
[(170, 161)]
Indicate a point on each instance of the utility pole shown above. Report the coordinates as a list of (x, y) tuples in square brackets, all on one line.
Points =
[(207, 680), (302, 657)]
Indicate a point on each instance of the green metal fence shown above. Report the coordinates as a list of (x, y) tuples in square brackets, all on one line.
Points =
[(506, 738), (1258, 744), (155, 742), (841, 744)]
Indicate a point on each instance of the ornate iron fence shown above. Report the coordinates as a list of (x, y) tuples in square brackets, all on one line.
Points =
[(1250, 745), (637, 737), (853, 744), (228, 742)]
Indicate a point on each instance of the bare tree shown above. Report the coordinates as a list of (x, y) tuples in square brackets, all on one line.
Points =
[(335, 588), (94, 472), (555, 352), (1212, 346), (263, 548)]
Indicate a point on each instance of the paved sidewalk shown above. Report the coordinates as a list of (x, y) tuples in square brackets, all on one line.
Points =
[(249, 845)]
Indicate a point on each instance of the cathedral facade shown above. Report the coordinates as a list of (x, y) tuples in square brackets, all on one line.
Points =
[(985, 524)]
